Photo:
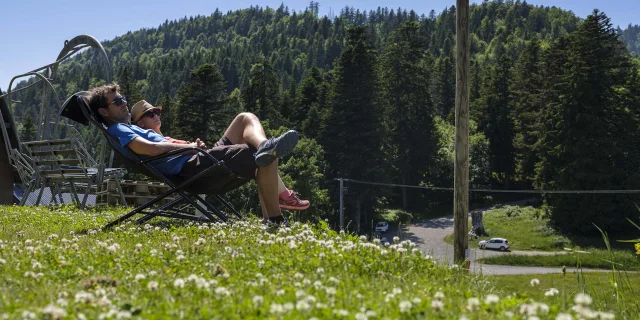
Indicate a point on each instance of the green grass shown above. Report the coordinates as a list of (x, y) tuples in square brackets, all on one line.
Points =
[(56, 262), (624, 295), (596, 258)]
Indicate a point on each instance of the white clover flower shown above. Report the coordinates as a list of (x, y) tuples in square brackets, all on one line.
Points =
[(534, 282), (396, 239), (416, 300), (473, 303), (202, 283), (551, 292), (320, 270), (222, 291), (334, 280), (113, 248), (26, 315), (178, 283), (3, 261), (276, 308), (180, 257), (492, 298), (363, 238), (341, 312), (564, 316), (361, 316), (83, 297), (280, 292), (152, 286), (437, 305), (257, 300), (292, 245), (606, 315), (81, 316), (54, 312), (299, 275), (396, 291), (153, 252), (152, 273), (438, 295), (405, 306), (330, 291), (103, 302), (62, 302), (140, 276), (583, 299), (302, 305)]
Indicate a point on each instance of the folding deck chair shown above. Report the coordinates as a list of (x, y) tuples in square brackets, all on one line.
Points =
[(188, 201)]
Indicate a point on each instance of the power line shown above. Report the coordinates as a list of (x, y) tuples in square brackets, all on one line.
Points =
[(493, 190)]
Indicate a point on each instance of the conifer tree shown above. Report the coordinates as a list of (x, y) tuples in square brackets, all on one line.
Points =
[(404, 96), (28, 131), (200, 112), (353, 132), (589, 138)]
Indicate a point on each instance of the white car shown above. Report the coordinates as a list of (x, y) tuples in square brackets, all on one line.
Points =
[(382, 226), (494, 243)]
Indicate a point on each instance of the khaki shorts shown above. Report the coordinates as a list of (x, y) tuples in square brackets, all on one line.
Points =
[(239, 158)]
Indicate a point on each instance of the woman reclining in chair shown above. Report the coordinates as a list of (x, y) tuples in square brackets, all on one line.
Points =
[(244, 148)]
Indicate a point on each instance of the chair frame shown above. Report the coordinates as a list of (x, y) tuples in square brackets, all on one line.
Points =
[(138, 164)]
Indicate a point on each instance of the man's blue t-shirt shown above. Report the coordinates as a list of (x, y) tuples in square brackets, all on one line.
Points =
[(125, 133)]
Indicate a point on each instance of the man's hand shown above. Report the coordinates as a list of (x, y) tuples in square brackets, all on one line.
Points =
[(200, 144)]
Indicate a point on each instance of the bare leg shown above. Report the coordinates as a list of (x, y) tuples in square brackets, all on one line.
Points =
[(265, 216), (267, 180), (246, 129)]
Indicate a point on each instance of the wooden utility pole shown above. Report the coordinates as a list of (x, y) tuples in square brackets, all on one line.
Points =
[(461, 170)]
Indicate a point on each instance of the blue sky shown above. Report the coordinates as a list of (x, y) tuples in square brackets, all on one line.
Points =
[(32, 32)]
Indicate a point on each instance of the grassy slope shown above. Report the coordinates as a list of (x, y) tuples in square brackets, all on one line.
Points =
[(625, 296), (239, 271)]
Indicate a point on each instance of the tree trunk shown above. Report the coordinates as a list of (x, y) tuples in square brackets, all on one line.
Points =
[(476, 221)]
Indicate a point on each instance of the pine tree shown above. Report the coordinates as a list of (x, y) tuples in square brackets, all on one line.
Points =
[(589, 137), (168, 116), (262, 92), (28, 131), (496, 121), (200, 112), (353, 132), (526, 95), (128, 87), (404, 95)]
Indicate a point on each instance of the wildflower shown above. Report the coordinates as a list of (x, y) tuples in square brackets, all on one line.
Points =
[(302, 305), (138, 245), (637, 245), (103, 302), (320, 270), (405, 306), (396, 239), (334, 280), (257, 300), (363, 238), (583, 299), (331, 291), (564, 316), (140, 276), (279, 292), (113, 248), (341, 312), (3, 261), (437, 305), (54, 312), (473, 303), (534, 282), (439, 295), (276, 308), (178, 283), (551, 292), (396, 291), (416, 300), (222, 291), (84, 297), (152, 286), (180, 257), (361, 316), (492, 298), (28, 315), (62, 302)]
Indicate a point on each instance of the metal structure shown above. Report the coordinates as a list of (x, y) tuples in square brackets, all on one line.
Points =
[(48, 119)]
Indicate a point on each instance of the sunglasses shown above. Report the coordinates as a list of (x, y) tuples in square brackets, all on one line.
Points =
[(118, 101), (151, 113)]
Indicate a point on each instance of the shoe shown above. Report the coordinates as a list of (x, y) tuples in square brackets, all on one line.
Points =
[(278, 147), (277, 222), (289, 200)]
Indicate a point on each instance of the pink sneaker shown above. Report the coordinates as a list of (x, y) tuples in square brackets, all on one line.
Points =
[(289, 200)]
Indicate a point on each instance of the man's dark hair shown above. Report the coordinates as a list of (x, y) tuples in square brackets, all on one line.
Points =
[(98, 98)]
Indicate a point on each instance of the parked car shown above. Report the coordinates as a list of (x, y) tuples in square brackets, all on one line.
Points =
[(494, 243), (382, 226)]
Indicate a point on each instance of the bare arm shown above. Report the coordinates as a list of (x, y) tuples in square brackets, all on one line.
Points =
[(146, 147)]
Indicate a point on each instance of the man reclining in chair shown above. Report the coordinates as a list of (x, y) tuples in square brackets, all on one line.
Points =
[(244, 148)]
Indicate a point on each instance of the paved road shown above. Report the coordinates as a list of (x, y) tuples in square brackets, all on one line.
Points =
[(428, 236)]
